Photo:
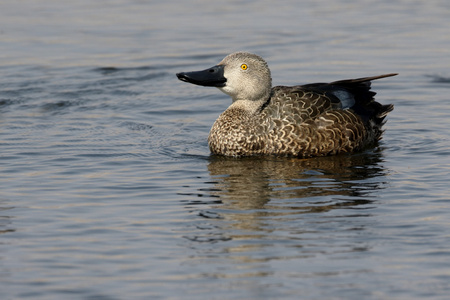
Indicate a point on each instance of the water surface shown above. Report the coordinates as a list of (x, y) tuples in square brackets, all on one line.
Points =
[(108, 190)]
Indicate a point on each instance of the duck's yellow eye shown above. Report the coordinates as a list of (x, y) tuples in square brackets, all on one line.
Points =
[(244, 67)]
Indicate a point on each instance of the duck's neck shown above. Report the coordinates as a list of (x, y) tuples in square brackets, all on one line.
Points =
[(250, 106)]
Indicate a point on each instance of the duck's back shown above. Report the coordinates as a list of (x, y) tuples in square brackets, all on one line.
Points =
[(304, 121)]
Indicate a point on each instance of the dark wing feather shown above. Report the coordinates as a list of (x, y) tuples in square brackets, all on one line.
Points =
[(366, 106), (310, 100)]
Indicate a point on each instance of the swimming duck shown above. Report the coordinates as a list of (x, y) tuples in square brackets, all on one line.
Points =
[(302, 121)]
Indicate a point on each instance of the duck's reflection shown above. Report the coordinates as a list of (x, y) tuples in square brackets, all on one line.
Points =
[(250, 191), (251, 183), (300, 203)]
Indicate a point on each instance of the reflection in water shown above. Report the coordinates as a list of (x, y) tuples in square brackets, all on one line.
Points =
[(252, 182), (301, 203)]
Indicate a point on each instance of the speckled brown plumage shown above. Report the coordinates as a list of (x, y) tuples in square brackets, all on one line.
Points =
[(302, 121)]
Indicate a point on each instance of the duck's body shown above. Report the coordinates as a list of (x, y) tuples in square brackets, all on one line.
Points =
[(303, 121)]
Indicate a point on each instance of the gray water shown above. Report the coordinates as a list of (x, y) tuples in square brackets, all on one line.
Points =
[(108, 190)]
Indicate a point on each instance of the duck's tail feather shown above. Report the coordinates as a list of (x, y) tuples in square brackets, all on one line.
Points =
[(365, 104), (363, 79)]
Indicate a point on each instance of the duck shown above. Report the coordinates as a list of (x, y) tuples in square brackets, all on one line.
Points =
[(304, 121)]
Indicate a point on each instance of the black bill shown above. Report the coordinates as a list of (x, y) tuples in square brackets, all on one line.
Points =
[(209, 77)]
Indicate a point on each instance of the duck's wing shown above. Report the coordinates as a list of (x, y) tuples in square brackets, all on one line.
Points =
[(324, 118), (297, 104), (305, 102)]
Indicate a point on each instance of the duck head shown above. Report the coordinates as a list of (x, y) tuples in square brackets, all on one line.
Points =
[(241, 75)]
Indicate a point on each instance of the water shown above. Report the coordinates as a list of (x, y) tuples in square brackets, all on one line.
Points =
[(108, 190)]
